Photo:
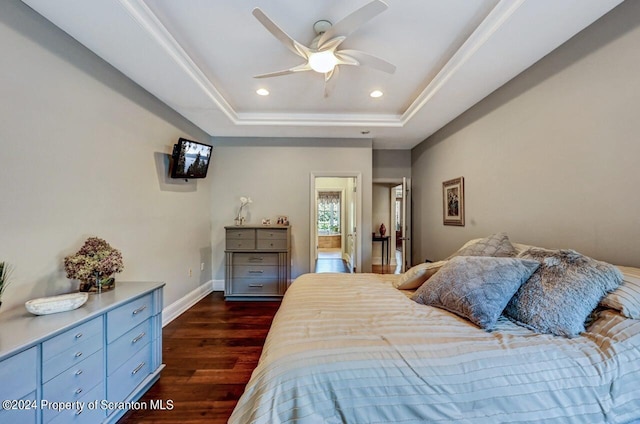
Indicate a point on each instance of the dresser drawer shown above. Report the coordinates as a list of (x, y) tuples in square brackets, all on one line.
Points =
[(20, 412), (18, 374), (73, 384), (236, 244), (86, 415), (255, 259), (127, 316), (255, 271), (122, 382), (127, 345), (52, 366), (272, 234), (272, 244), (255, 286), (241, 234), (73, 337)]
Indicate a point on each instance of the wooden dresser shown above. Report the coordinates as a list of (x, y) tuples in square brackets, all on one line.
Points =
[(258, 262), (85, 365)]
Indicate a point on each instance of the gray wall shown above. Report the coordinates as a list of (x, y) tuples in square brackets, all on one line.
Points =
[(551, 158), (391, 165), (275, 174), (83, 153)]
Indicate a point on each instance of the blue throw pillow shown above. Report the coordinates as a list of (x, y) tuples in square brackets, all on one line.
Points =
[(476, 287)]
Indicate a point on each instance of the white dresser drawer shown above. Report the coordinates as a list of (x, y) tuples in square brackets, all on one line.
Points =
[(54, 365), (69, 338), (22, 415), (122, 382), (127, 345), (18, 374), (73, 384), (87, 415), (127, 316)]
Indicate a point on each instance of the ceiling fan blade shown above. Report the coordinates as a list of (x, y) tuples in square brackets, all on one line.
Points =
[(365, 59), (299, 68), (330, 81), (277, 32), (353, 21)]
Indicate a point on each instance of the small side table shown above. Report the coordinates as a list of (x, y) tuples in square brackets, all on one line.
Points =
[(385, 246)]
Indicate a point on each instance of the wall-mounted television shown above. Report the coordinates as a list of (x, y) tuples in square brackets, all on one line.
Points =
[(190, 159)]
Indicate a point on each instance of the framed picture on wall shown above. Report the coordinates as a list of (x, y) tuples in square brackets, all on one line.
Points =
[(453, 202)]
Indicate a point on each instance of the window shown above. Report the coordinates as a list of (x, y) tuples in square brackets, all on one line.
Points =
[(329, 212)]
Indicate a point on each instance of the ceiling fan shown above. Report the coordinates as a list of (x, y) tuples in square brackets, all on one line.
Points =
[(322, 55)]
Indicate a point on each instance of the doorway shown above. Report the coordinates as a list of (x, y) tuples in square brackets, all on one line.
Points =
[(391, 251), (334, 218)]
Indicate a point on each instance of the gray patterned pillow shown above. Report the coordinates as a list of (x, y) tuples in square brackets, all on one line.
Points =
[(561, 294), (496, 245), (476, 287)]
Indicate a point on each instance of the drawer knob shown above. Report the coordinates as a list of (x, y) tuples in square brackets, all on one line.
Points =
[(79, 372), (78, 354), (255, 285), (79, 391), (78, 335), (257, 258), (79, 411), (140, 309), (256, 272), (138, 368), (138, 337)]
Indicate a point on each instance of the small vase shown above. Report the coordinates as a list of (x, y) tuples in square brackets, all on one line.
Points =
[(383, 230), (98, 284)]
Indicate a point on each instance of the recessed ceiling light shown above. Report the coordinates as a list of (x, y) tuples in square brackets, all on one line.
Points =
[(262, 92), (376, 93)]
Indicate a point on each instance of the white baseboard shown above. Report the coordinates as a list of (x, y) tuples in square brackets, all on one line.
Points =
[(174, 310), (217, 285)]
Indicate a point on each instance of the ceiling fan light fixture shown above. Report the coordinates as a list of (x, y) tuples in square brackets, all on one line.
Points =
[(323, 62)]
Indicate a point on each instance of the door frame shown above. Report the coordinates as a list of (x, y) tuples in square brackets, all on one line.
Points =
[(313, 231), (408, 210)]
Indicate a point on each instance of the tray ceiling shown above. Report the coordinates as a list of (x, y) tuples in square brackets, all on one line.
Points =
[(199, 57)]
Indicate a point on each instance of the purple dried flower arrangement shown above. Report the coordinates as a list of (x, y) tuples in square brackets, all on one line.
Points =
[(94, 265)]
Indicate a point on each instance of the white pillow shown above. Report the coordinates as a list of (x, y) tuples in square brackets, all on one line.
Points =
[(415, 276), (626, 298)]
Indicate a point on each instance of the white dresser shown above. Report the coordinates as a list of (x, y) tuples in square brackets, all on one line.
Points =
[(80, 366), (258, 262)]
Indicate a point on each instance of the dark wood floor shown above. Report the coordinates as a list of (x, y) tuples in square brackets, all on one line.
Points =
[(209, 352), (331, 265)]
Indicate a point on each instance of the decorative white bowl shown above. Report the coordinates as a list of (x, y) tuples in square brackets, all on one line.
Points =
[(54, 304)]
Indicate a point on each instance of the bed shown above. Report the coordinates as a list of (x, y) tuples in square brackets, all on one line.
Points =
[(356, 349)]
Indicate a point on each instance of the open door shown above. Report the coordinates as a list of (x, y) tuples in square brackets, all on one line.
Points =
[(406, 224), (345, 186)]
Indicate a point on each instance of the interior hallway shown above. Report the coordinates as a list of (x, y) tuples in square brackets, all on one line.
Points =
[(330, 260)]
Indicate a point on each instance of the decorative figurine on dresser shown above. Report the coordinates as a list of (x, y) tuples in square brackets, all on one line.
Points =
[(257, 262)]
